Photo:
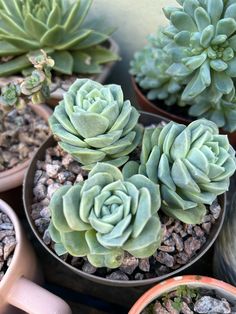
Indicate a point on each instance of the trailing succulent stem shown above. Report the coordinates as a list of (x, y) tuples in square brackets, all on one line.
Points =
[(34, 87), (94, 123), (58, 27), (105, 216), (192, 164)]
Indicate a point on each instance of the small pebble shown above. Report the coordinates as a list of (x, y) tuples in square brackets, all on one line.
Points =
[(209, 305), (165, 258), (117, 275), (144, 264), (88, 268)]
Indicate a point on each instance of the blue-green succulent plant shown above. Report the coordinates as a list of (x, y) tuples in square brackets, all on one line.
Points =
[(200, 45), (192, 164), (94, 123), (105, 216)]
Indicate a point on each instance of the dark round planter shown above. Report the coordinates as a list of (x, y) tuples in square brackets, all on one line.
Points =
[(146, 119), (147, 105), (225, 247)]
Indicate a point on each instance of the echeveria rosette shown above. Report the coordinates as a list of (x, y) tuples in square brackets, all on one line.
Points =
[(58, 27), (94, 123), (192, 164), (10, 96), (105, 216), (202, 38), (149, 67)]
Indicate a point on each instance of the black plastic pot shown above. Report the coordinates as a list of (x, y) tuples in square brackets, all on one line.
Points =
[(145, 119)]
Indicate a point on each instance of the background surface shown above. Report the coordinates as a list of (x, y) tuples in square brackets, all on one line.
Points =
[(135, 19)]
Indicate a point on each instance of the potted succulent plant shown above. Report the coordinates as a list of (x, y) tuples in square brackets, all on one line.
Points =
[(187, 70), (23, 125), (78, 47), (93, 197), (20, 274), (187, 294)]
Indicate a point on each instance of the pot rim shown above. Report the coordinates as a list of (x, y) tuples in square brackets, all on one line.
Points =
[(7, 209), (172, 283), (27, 193), (8, 178)]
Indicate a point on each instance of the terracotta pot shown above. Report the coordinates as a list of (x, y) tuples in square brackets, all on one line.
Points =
[(225, 254), (147, 105), (145, 119), (11, 180), (57, 92), (18, 288), (223, 289)]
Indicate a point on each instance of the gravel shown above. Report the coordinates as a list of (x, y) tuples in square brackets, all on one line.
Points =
[(21, 132), (7, 243), (181, 242)]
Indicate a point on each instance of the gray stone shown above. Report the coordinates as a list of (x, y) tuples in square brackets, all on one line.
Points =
[(215, 209), (144, 264), (88, 268), (178, 242), (129, 264), (209, 305), (165, 258), (52, 170), (117, 275), (191, 245)]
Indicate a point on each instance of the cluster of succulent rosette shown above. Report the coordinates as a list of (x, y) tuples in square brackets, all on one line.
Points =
[(193, 60), (134, 172)]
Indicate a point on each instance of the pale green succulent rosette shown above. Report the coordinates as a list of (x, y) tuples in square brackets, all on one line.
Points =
[(202, 38), (94, 124), (192, 165), (106, 216), (221, 111), (58, 27), (149, 70)]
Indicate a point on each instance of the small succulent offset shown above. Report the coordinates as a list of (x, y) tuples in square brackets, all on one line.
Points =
[(105, 216), (34, 87), (94, 123), (10, 97), (58, 27), (149, 68), (192, 164)]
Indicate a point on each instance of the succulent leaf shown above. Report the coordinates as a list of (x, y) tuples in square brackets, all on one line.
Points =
[(107, 215)]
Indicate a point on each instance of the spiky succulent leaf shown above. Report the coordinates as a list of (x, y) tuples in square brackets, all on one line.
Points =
[(192, 164), (94, 123), (57, 25), (107, 215)]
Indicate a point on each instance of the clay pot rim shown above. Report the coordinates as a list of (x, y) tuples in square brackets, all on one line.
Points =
[(18, 170), (5, 208), (129, 283), (165, 114), (171, 283), (172, 116)]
